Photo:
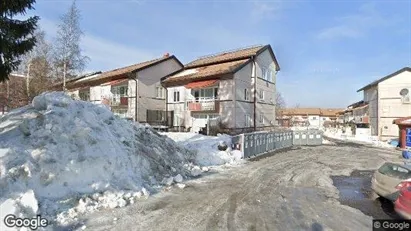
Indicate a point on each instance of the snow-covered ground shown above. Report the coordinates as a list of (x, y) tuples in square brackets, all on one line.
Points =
[(364, 139), (206, 148), (61, 158)]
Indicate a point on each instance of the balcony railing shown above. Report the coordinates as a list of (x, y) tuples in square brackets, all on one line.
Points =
[(210, 105), (119, 101)]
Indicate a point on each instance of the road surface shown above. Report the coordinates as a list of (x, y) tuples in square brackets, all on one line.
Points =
[(290, 190)]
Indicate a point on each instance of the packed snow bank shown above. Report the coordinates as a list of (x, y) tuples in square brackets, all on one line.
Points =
[(62, 157), (364, 139), (207, 148)]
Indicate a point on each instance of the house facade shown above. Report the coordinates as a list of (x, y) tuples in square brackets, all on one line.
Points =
[(118, 89), (387, 99), (237, 88), (310, 117)]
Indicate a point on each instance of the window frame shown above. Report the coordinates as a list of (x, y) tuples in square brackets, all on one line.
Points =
[(261, 119), (263, 72), (247, 120), (176, 96), (246, 94), (160, 89), (261, 94)]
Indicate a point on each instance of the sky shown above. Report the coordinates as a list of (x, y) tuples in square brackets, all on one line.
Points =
[(327, 50)]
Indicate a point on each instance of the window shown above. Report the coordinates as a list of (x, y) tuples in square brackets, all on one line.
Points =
[(160, 92), (119, 91), (263, 72), (324, 118), (85, 96), (261, 94), (314, 118), (270, 75), (176, 96), (120, 112), (205, 94), (247, 121), (261, 118), (246, 95)]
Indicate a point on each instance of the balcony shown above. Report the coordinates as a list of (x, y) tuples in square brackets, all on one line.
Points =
[(209, 105), (119, 101)]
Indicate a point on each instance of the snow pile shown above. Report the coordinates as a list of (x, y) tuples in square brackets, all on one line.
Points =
[(363, 139), (325, 141), (207, 148), (61, 157)]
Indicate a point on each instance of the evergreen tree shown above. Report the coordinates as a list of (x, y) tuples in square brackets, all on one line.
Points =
[(16, 36)]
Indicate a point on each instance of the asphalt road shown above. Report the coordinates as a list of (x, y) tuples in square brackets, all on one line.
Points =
[(291, 190)]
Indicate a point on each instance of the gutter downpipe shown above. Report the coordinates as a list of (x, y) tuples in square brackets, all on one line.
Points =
[(255, 91), (166, 89)]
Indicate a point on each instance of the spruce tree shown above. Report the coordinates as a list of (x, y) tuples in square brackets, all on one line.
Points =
[(16, 36)]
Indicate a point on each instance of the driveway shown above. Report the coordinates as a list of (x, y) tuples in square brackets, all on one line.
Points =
[(290, 190)]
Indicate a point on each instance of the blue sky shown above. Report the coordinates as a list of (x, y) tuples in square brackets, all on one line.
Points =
[(327, 50)]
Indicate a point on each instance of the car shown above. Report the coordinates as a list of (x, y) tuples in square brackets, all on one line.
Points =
[(388, 177), (403, 203)]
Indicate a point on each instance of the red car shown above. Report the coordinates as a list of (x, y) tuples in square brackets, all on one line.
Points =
[(403, 203)]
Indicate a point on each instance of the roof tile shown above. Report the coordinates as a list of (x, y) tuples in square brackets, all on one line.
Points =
[(225, 57)]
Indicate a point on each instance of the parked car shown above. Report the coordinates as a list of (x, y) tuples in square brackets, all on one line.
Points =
[(403, 203), (388, 177)]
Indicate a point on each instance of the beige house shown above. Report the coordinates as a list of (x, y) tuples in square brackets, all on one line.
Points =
[(387, 99), (238, 87), (117, 88), (309, 117)]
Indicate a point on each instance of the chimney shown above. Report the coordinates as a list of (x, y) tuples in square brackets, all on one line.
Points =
[(166, 55)]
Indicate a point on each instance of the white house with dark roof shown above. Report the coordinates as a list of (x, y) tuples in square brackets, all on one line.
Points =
[(238, 87), (387, 99), (118, 89)]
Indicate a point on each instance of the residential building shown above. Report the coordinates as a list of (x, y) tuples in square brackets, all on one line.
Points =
[(310, 117), (13, 93), (118, 89), (238, 87), (387, 99)]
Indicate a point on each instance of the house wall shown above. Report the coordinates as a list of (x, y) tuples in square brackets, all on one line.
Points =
[(243, 106), (181, 116), (314, 121), (390, 104), (371, 97), (266, 106), (148, 80), (243, 109)]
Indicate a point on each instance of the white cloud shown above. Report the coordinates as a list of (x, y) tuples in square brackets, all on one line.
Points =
[(262, 10), (104, 54), (355, 25)]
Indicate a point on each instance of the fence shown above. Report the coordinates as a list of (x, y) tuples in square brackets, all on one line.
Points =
[(253, 144), (158, 117)]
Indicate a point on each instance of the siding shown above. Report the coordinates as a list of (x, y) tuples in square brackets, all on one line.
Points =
[(371, 96), (242, 109), (264, 60), (227, 113), (243, 80), (148, 80), (390, 105)]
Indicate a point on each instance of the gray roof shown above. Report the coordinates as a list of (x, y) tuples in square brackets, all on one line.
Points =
[(376, 82)]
